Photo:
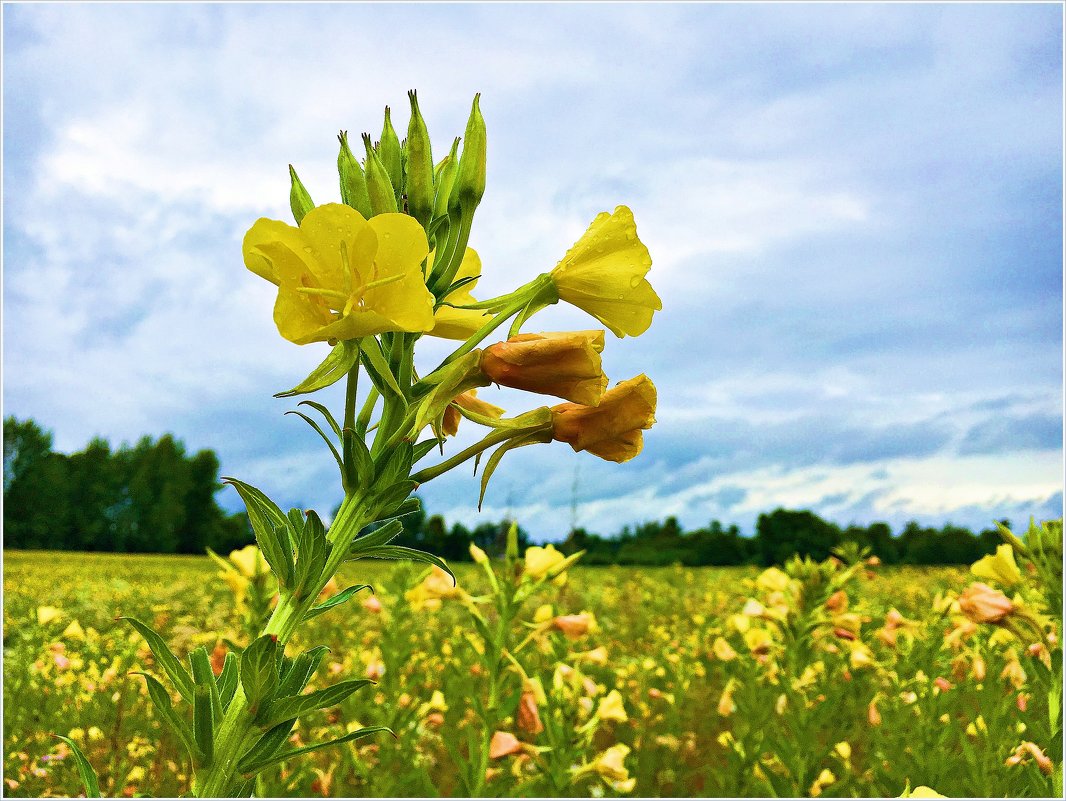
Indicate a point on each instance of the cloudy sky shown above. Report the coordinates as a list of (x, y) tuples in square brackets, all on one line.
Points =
[(854, 211)]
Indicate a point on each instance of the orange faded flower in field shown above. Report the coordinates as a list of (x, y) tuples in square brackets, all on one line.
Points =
[(503, 743), (575, 626), (565, 364), (982, 604), (613, 429)]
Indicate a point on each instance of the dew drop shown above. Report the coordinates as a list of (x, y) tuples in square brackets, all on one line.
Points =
[(635, 281), (308, 249)]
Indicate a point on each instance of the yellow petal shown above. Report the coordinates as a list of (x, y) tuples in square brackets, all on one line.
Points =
[(603, 274), (327, 230), (261, 247), (452, 323), (402, 247)]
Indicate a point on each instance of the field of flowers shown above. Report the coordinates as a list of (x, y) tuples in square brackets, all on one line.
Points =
[(833, 679)]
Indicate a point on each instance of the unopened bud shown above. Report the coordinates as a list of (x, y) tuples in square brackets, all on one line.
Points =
[(470, 182), (390, 152), (353, 182), (299, 200), (419, 166), (444, 180), (378, 184)]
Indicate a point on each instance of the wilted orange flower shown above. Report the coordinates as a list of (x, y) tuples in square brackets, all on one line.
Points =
[(1031, 750), (613, 429), (565, 364), (837, 602), (502, 744), (528, 718), (982, 604), (472, 403), (372, 604), (574, 626)]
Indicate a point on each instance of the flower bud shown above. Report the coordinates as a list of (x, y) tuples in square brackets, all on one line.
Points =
[(379, 186), (353, 182), (444, 180), (419, 166), (611, 430), (982, 604), (390, 152), (470, 180), (299, 200), (565, 364), (478, 555), (528, 717)]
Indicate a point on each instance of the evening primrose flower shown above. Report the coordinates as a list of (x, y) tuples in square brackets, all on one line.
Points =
[(610, 765), (46, 614), (450, 322), (541, 561), (613, 429), (575, 626), (603, 274), (472, 403), (1000, 567), (342, 277), (503, 743), (982, 604), (249, 561), (612, 708), (564, 364), (921, 791)]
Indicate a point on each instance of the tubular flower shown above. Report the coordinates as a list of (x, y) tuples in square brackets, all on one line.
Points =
[(611, 430), (450, 322), (1000, 568), (982, 604), (539, 562), (472, 403), (565, 364), (603, 274), (340, 276)]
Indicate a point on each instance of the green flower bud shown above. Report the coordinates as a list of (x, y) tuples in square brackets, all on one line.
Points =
[(419, 168), (444, 180), (378, 186), (389, 152), (299, 200), (470, 181), (353, 182)]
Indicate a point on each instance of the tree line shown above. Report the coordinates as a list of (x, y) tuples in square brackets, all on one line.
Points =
[(154, 497)]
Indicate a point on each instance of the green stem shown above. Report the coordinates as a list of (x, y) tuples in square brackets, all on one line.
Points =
[(496, 437), (350, 395)]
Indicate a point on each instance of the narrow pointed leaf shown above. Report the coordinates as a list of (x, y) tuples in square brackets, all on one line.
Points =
[(377, 367), (267, 745), (322, 410), (175, 671), (401, 554), (533, 438), (321, 433), (259, 669), (292, 707), (227, 680), (255, 767), (336, 600), (383, 535), (271, 529), (161, 699), (334, 367), (303, 668), (85, 768)]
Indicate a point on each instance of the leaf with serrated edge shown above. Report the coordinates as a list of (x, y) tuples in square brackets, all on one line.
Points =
[(292, 707), (336, 600), (333, 368)]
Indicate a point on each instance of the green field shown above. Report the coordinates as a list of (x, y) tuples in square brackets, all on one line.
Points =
[(816, 694)]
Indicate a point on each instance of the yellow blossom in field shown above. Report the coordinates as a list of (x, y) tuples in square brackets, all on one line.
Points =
[(753, 608), (726, 706), (723, 650), (76, 733), (999, 567), (597, 656), (95, 733), (611, 763), (843, 750), (1029, 750), (478, 555), (982, 604), (861, 656), (758, 640), (340, 276), (46, 614), (603, 274), (249, 561), (437, 702), (540, 561), (575, 626), (544, 613), (435, 587), (773, 580), (825, 778), (73, 631), (612, 708), (612, 430), (921, 791)]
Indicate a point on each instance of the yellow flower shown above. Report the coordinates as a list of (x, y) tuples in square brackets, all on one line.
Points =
[(249, 561), (452, 323), (340, 276), (1000, 568), (437, 702), (773, 580), (982, 604), (46, 614), (74, 631), (613, 429), (921, 791), (435, 587), (611, 763), (541, 561), (603, 274), (723, 650), (612, 708), (478, 555), (825, 778), (843, 750), (565, 364)]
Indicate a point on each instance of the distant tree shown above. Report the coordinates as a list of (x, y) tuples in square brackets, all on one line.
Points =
[(783, 533), (37, 505)]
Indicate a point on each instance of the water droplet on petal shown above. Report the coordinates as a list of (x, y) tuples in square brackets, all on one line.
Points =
[(308, 249), (635, 281)]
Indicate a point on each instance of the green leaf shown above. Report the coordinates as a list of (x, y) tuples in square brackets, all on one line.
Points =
[(267, 745), (358, 470), (390, 499), (302, 669), (395, 464), (336, 600), (532, 438), (165, 657), (161, 698), (251, 768), (204, 724), (377, 367), (321, 433), (382, 535), (336, 365), (271, 529), (399, 553), (282, 709), (322, 410), (204, 677), (85, 769), (422, 448), (314, 550), (259, 669), (227, 680)]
